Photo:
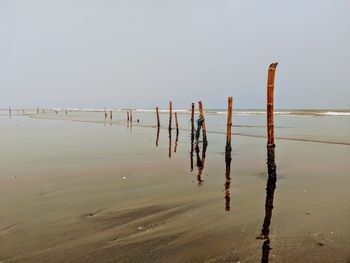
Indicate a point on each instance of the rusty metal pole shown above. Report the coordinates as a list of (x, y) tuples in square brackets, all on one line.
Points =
[(158, 122), (270, 97), (201, 116)]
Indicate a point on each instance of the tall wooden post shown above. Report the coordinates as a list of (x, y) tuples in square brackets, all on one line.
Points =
[(229, 120), (201, 116), (127, 116), (130, 116), (158, 122), (270, 97), (170, 113)]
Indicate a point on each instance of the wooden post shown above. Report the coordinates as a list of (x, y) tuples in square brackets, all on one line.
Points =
[(37, 110), (105, 112), (170, 113), (177, 123), (229, 121), (270, 97), (158, 122), (10, 112), (128, 118), (110, 115), (201, 116)]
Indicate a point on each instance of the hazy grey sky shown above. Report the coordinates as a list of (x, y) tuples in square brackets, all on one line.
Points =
[(95, 53)]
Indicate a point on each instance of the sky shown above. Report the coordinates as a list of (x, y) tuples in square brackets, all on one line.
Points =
[(143, 53)]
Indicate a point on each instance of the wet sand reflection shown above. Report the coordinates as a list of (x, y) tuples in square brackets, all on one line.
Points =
[(169, 154), (270, 190), (228, 159), (200, 162), (157, 140)]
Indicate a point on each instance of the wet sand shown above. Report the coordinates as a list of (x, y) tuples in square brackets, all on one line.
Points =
[(88, 191)]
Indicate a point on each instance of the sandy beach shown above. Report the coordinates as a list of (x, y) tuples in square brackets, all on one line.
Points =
[(78, 188)]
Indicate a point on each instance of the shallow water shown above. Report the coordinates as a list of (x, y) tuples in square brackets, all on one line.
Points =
[(95, 190)]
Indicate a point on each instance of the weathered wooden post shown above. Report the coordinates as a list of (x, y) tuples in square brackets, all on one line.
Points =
[(10, 112), (170, 114), (130, 116), (158, 122), (127, 117), (201, 117), (228, 158), (270, 99), (105, 112), (229, 121), (110, 115)]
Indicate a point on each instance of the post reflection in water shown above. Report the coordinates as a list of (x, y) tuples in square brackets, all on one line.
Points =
[(200, 162), (270, 190), (176, 140), (192, 147), (169, 143), (157, 140), (228, 159)]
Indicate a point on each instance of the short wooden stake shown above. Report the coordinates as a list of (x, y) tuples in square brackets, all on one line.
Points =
[(270, 100), (158, 122), (170, 114), (201, 116)]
